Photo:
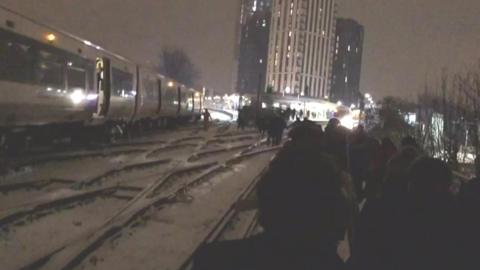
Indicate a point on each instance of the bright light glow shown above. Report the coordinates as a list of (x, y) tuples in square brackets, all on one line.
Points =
[(170, 84), (367, 95), (264, 105), (411, 118), (339, 103), (51, 37), (347, 121), (134, 93), (70, 64), (88, 43), (92, 97), (220, 116), (352, 106), (197, 94), (49, 89), (276, 105), (77, 96), (287, 89)]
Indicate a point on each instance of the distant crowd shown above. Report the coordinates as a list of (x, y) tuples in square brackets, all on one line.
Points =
[(396, 207)]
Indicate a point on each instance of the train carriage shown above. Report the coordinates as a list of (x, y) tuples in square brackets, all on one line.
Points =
[(51, 80)]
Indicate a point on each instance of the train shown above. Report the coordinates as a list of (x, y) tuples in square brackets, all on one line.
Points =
[(53, 83)]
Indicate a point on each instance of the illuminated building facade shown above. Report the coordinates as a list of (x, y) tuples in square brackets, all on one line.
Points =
[(347, 63), (253, 47), (301, 43)]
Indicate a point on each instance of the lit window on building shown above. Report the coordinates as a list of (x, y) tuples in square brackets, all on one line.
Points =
[(260, 61), (348, 48), (346, 79), (289, 33)]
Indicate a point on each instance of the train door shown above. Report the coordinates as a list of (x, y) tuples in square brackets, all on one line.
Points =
[(193, 102), (179, 98), (140, 93), (102, 70), (159, 108)]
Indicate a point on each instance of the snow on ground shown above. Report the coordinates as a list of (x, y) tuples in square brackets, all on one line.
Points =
[(181, 227), (172, 233), (22, 243)]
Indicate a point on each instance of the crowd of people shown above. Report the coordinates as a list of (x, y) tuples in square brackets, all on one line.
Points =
[(396, 207), (269, 123)]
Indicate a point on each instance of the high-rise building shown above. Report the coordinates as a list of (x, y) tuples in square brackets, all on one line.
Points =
[(253, 47), (300, 54), (347, 63)]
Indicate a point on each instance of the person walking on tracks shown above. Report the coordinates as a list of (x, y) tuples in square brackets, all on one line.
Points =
[(206, 119)]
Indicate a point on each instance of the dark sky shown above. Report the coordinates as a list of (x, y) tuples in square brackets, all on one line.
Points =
[(406, 41)]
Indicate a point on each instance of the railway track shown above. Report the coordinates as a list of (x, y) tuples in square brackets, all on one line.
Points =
[(121, 173), (227, 226), (134, 146), (128, 200)]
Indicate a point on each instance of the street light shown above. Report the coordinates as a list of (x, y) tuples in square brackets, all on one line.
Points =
[(170, 84)]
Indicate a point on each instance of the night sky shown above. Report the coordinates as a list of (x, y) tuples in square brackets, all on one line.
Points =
[(406, 41)]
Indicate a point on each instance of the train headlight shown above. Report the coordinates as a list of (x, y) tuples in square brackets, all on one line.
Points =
[(77, 96)]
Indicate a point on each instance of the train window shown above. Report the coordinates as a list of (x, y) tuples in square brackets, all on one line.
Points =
[(150, 90), (26, 60), (14, 59), (184, 101), (171, 95), (76, 79), (49, 69), (122, 83), (90, 74)]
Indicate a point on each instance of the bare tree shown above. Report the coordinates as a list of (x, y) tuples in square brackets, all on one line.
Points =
[(450, 117), (176, 64)]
